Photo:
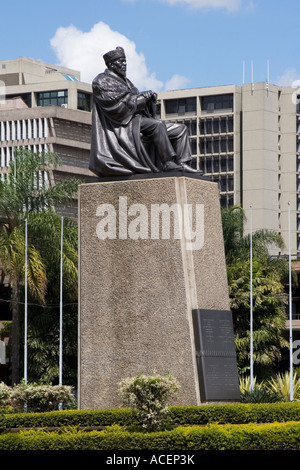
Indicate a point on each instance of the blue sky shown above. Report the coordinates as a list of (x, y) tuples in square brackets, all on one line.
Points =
[(169, 43)]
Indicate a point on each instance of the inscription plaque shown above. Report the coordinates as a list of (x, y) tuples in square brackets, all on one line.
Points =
[(216, 355)]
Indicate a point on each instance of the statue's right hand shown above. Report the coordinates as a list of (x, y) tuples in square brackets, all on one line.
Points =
[(149, 95)]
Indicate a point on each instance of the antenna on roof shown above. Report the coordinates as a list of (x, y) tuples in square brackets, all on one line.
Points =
[(252, 83), (268, 75), (243, 72)]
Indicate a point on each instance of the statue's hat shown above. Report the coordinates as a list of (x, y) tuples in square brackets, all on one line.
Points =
[(113, 55)]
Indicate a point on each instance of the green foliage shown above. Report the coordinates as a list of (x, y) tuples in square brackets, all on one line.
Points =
[(269, 301), (212, 437), (179, 415), (4, 395), (260, 395), (269, 298), (73, 418), (148, 396), (36, 398), (43, 333), (280, 384), (26, 194)]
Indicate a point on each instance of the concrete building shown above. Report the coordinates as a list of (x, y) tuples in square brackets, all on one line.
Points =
[(45, 108), (247, 138)]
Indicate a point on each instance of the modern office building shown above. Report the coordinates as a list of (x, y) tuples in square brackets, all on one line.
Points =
[(247, 138), (45, 108)]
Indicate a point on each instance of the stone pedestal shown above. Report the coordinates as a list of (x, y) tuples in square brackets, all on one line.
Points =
[(140, 279)]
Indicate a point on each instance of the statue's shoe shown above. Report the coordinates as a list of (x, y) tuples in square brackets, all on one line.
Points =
[(171, 166), (189, 169)]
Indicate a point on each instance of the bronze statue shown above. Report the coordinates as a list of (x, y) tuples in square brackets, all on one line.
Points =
[(126, 137)]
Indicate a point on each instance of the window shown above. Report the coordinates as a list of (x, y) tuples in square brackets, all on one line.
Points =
[(191, 125), (210, 103), (158, 110), (217, 125), (83, 101), (193, 146), (52, 98), (26, 97), (181, 106)]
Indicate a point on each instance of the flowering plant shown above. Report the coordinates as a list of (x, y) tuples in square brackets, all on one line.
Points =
[(148, 396), (5, 392), (39, 398)]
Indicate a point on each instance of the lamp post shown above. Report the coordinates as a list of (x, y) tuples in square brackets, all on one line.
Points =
[(290, 310), (251, 305)]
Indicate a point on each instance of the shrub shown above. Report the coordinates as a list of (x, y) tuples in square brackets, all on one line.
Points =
[(260, 395), (39, 398), (148, 397), (5, 392), (212, 437), (280, 384), (244, 383)]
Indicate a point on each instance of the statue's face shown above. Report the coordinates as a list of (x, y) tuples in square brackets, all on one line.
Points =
[(119, 66)]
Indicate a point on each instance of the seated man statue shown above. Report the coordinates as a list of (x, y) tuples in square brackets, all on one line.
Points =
[(123, 123)]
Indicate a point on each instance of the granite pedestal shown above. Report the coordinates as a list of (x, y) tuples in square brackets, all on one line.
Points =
[(151, 253)]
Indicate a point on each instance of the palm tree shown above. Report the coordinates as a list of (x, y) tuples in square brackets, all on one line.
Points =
[(25, 191), (269, 312), (43, 331), (269, 297)]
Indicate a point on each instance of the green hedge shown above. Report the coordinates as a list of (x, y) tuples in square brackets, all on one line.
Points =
[(222, 414), (210, 437)]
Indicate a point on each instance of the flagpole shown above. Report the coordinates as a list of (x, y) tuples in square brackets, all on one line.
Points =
[(290, 309), (26, 308), (61, 303), (251, 305)]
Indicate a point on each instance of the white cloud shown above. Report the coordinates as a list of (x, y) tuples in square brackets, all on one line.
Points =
[(177, 82), (83, 51), (289, 77), (230, 5)]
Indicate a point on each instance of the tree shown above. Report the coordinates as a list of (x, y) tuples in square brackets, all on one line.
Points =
[(269, 298), (43, 320), (269, 312), (26, 191)]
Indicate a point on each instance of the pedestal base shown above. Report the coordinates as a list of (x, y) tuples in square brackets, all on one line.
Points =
[(151, 252)]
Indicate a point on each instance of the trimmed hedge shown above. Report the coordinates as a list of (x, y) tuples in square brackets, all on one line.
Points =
[(211, 437), (201, 415)]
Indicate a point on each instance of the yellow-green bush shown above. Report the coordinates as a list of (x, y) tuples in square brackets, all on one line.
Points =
[(210, 437), (181, 415)]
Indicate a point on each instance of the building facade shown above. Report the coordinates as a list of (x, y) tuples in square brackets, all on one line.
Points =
[(247, 139), (46, 108)]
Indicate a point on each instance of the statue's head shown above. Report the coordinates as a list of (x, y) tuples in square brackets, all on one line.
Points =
[(115, 60)]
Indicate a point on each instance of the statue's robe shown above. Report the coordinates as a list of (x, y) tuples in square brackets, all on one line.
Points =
[(116, 145)]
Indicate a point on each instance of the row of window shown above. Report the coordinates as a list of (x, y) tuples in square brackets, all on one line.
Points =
[(25, 129), (52, 98), (217, 164), (41, 180), (56, 98), (7, 153), (60, 98), (216, 125), (181, 106), (216, 145)]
